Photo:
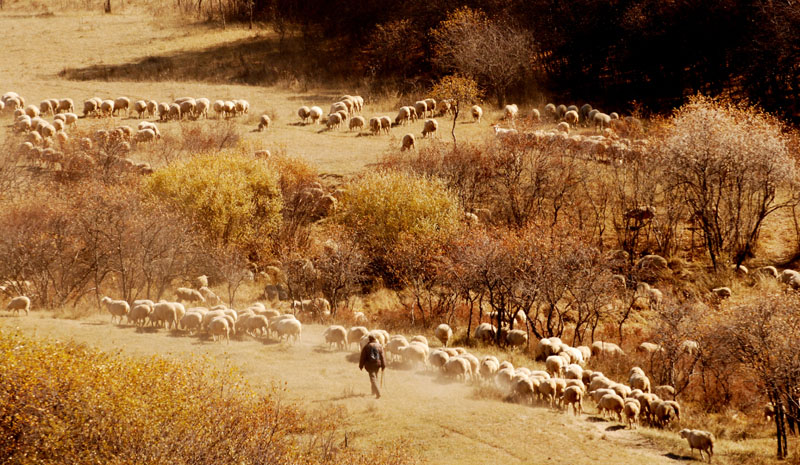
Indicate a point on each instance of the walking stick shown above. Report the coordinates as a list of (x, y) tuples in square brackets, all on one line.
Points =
[(383, 372)]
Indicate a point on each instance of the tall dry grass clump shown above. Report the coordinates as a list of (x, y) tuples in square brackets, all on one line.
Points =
[(67, 403)]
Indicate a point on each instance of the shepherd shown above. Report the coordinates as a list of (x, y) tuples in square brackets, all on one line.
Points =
[(372, 359)]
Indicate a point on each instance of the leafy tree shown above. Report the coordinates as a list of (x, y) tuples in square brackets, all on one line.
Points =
[(234, 199), (460, 91)]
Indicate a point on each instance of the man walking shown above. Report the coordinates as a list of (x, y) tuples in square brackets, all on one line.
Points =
[(372, 359)]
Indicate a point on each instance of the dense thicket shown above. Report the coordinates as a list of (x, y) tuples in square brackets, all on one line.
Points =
[(610, 53)]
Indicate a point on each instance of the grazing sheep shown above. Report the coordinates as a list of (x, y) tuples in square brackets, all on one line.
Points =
[(703, 441), (32, 111), (561, 110), (375, 124), (357, 122), (408, 142), (563, 127), (121, 103), (117, 308), (218, 327), (403, 116), (601, 121), (431, 105), (555, 365), (420, 339), (163, 111), (201, 107), (431, 125), (443, 333), (510, 112), (140, 107), (611, 403), (241, 107), (250, 323), (19, 303), (550, 112), (606, 349), (334, 121), (46, 107), (219, 107), (421, 108), (395, 344), (477, 113), (315, 114), (485, 332), (571, 118), (263, 122), (664, 391), (188, 106), (191, 322), (631, 411), (648, 348), (144, 135), (304, 113), (386, 124), (174, 111), (139, 313)]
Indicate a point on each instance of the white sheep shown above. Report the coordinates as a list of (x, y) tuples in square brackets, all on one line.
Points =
[(485, 332), (264, 122), (421, 108), (139, 313), (201, 107), (431, 125), (631, 410), (32, 111), (503, 132), (117, 308), (46, 107), (571, 118), (573, 395), (375, 124), (192, 321), (19, 303), (516, 338), (601, 120), (611, 403), (606, 349), (144, 135), (414, 353), (510, 111), (241, 106), (218, 327), (140, 107), (431, 105), (443, 333), (703, 441), (219, 107), (459, 368), (174, 111), (403, 116), (315, 114), (334, 121), (290, 328), (188, 107), (107, 107), (336, 335), (477, 113), (438, 358)]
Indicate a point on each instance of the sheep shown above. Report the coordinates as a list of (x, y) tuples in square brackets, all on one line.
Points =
[(563, 127), (336, 335), (555, 365), (386, 124), (19, 303), (218, 327), (46, 107), (356, 122), (144, 135), (117, 308), (403, 116), (421, 108), (395, 344), (431, 105), (355, 334), (334, 120), (32, 111), (415, 353), (611, 403), (121, 103), (241, 106), (438, 359), (510, 112), (430, 127), (631, 410), (191, 321), (165, 312), (601, 121), (304, 113), (408, 142), (561, 110), (606, 349), (638, 380), (648, 348), (263, 122), (443, 333), (485, 332), (251, 323), (571, 118), (375, 124), (140, 107), (516, 337), (139, 313), (573, 395), (584, 112), (189, 295), (174, 111), (420, 339), (502, 132), (703, 441), (477, 113), (664, 391)]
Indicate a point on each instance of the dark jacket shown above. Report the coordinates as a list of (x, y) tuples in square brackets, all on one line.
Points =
[(365, 361)]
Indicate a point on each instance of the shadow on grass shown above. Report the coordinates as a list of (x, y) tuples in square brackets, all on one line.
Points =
[(252, 61), (672, 456), (596, 419), (615, 427)]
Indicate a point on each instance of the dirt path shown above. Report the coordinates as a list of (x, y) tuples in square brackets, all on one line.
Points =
[(445, 422)]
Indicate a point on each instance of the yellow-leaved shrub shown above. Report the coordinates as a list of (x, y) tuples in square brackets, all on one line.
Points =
[(233, 198)]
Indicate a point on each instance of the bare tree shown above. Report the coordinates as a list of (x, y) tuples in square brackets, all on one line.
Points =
[(494, 53), (341, 266)]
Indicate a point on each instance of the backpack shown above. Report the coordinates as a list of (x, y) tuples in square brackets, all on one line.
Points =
[(374, 354)]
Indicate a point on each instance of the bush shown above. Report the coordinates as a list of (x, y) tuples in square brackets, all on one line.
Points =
[(381, 207), (234, 199), (66, 403)]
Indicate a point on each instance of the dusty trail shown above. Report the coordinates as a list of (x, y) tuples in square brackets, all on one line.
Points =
[(445, 422)]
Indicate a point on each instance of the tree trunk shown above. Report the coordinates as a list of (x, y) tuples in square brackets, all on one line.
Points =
[(453, 130), (107, 6)]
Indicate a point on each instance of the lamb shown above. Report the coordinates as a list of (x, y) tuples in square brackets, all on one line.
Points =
[(703, 441), (19, 303), (357, 122), (218, 327), (144, 135), (117, 308), (443, 333), (263, 123), (431, 125), (121, 103), (510, 112), (408, 142)]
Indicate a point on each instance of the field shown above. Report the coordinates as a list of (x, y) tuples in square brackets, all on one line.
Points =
[(133, 54)]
